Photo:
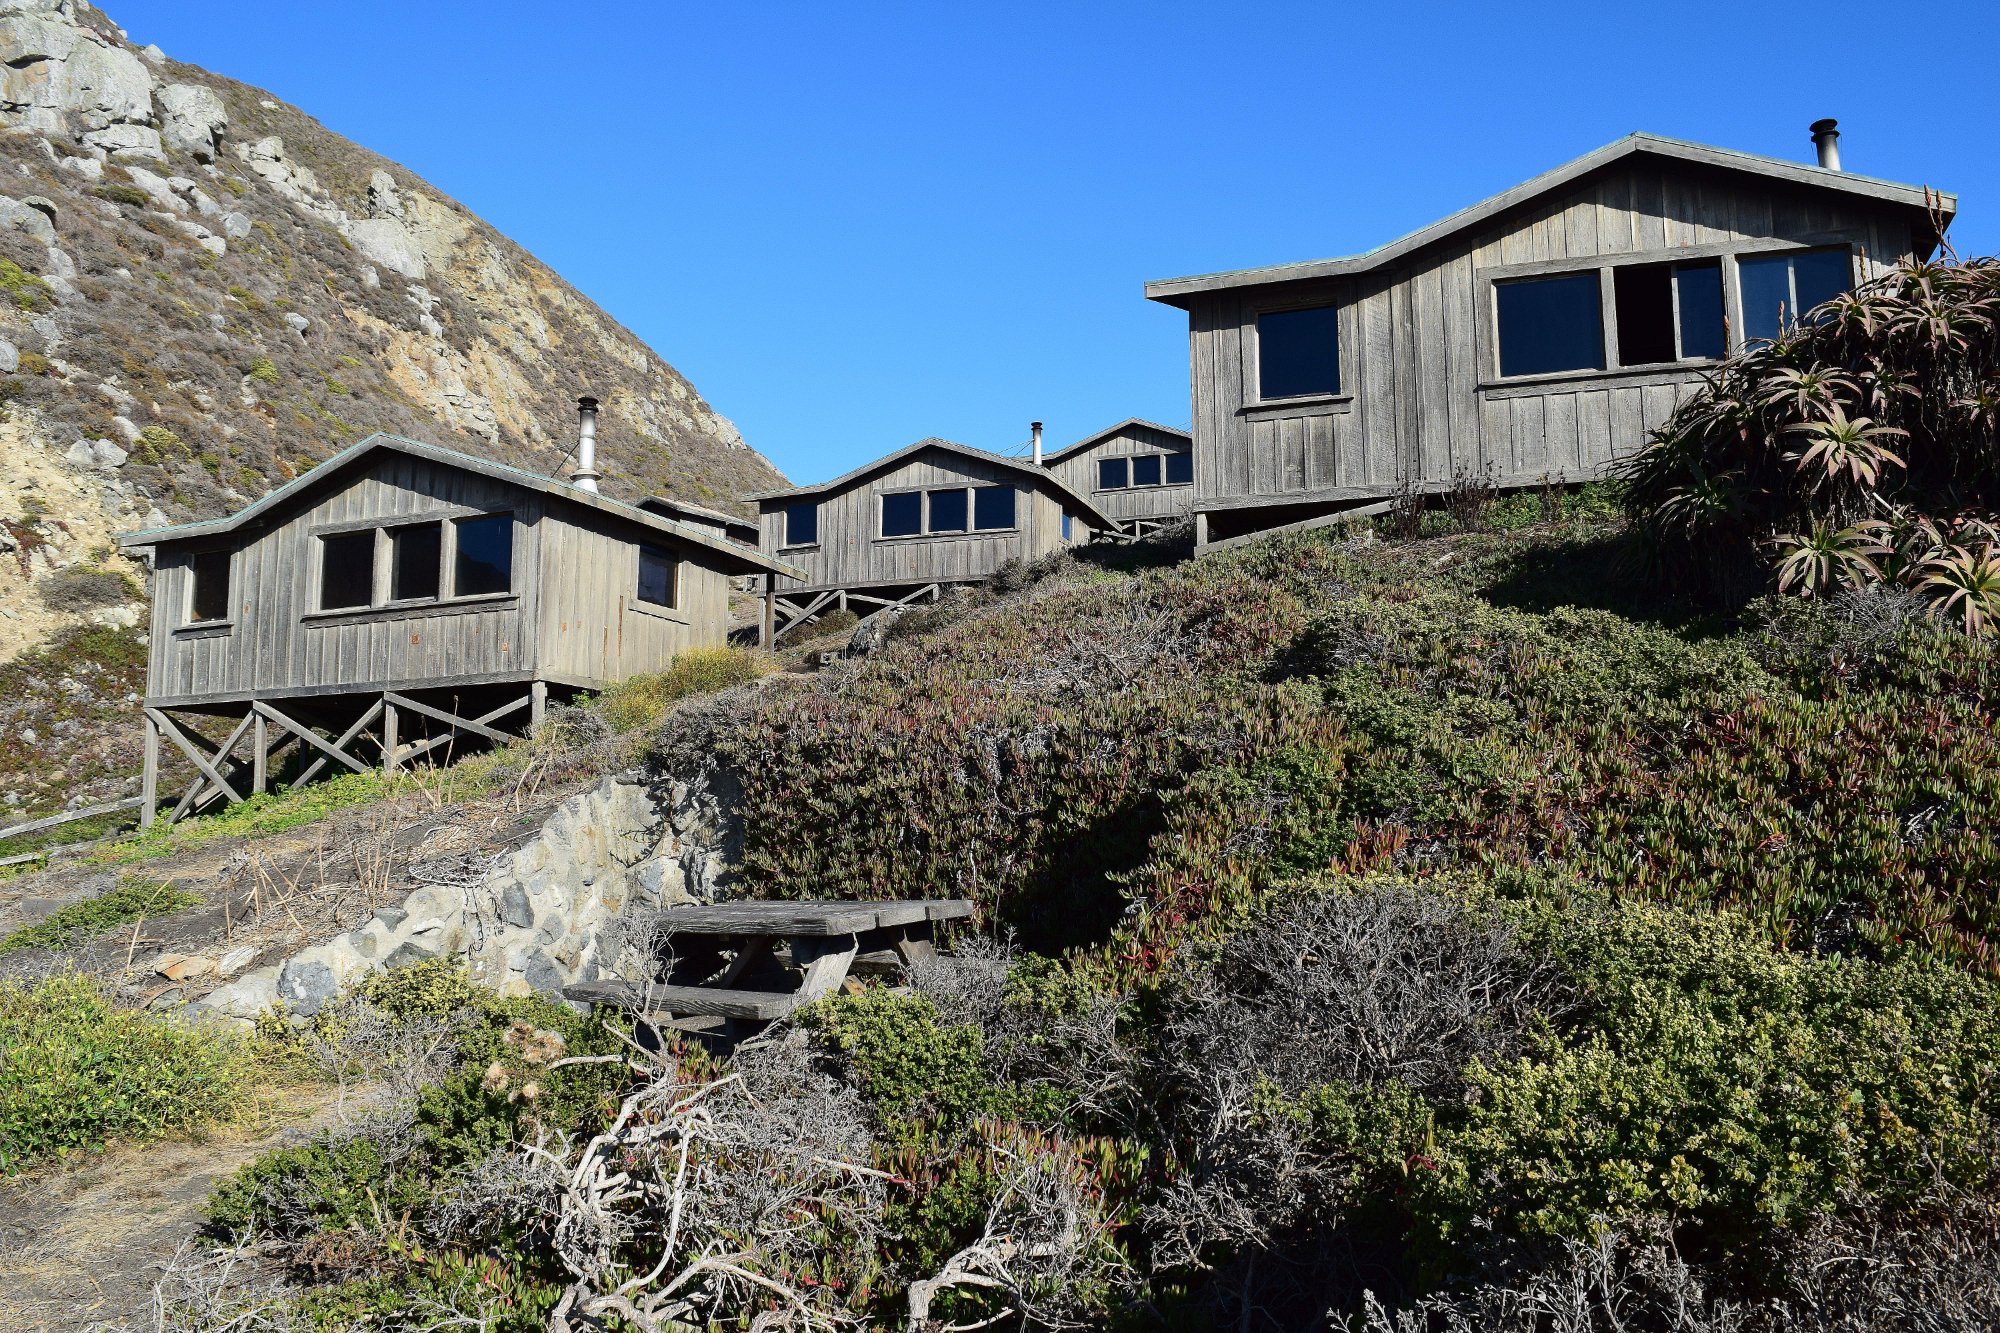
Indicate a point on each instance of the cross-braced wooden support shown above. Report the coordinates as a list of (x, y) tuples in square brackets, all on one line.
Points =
[(805, 608), (390, 732)]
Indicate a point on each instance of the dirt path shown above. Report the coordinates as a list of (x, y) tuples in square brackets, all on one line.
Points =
[(85, 1242)]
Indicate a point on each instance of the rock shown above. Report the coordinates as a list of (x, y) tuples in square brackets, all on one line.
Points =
[(299, 323), (383, 202), (405, 954), (152, 54), (541, 973), (306, 986), (391, 917), (371, 277), (128, 143), (87, 167), (192, 119), (52, 70), (10, 357), (386, 241), (106, 455), (19, 216), (126, 427), (50, 331), (80, 455), (235, 961), (202, 237), (116, 617), (164, 961), (247, 998), (514, 907), (187, 969), (235, 226)]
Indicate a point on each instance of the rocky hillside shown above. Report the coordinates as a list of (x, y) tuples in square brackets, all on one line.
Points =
[(203, 292)]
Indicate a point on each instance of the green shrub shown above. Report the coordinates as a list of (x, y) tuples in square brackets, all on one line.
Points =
[(77, 1069), (263, 370), (330, 1184), (133, 899), (272, 812), (86, 588), (129, 195), (640, 701), (28, 291), (911, 1065), (157, 444)]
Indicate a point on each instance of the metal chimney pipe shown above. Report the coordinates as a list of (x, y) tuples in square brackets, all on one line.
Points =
[(1035, 429), (1826, 138), (586, 474)]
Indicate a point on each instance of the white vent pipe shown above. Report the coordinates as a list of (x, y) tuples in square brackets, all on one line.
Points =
[(1035, 429), (586, 474), (1826, 138)]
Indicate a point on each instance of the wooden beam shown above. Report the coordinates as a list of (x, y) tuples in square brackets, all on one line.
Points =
[(195, 757), (260, 755), (538, 704), (388, 738), (770, 633), (149, 775), (333, 749), (71, 816), (1303, 525), (449, 719), (415, 748)]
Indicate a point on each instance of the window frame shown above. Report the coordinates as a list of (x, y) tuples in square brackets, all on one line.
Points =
[(923, 494), (1342, 304), (1790, 254), (382, 574), (228, 616), (674, 563), (387, 540), (513, 552), (373, 596), (785, 542), (1164, 483), (1486, 278)]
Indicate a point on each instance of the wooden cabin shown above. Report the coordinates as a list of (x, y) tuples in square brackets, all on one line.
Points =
[(399, 597), (1140, 473), (1537, 335), (901, 529)]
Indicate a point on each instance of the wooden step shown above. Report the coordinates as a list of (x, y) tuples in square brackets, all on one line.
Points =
[(810, 919), (681, 1001)]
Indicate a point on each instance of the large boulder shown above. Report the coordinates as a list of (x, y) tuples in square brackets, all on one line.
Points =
[(387, 242), (128, 143), (52, 72), (192, 119)]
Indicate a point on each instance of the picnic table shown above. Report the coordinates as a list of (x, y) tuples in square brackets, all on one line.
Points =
[(749, 963)]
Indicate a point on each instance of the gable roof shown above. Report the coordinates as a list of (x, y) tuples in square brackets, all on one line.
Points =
[(745, 560), (669, 507), (1175, 291), (1057, 455), (1020, 466)]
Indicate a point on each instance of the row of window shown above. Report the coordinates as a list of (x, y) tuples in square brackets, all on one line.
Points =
[(481, 564), (919, 513), (1131, 473), (1664, 312)]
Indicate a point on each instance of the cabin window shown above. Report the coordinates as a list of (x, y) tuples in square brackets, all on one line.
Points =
[(1113, 474), (903, 514), (802, 525), (208, 587), (1551, 324), (346, 570), (416, 561), (1180, 469), (1668, 312), (1065, 527), (485, 561), (1146, 470), (659, 577), (993, 508), (1298, 352), (1778, 288), (948, 510)]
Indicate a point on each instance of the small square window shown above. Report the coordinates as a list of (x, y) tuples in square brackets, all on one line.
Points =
[(948, 510), (1180, 469), (1298, 352), (208, 591), (485, 562), (993, 508), (416, 561), (1548, 325), (903, 514), (659, 577), (346, 570), (1146, 470), (802, 525), (1780, 289), (1113, 474)]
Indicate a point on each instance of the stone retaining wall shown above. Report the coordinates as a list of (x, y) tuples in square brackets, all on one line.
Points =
[(553, 911)]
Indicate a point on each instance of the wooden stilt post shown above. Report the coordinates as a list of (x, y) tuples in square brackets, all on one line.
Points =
[(770, 609), (1200, 531), (259, 756), (389, 746), (538, 704), (149, 781)]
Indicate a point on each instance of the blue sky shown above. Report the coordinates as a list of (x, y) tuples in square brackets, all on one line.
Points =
[(855, 225)]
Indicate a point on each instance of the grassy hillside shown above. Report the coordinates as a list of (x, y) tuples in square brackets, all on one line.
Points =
[(1367, 927)]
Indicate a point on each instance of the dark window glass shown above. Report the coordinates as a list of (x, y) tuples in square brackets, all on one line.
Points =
[(1298, 352), (208, 598), (1550, 324), (659, 577), (1644, 296), (1767, 294), (1701, 309), (415, 561), (903, 514), (485, 555), (948, 510), (1180, 469), (1065, 527), (1146, 470), (801, 525), (993, 508), (1819, 276), (347, 570), (1111, 474)]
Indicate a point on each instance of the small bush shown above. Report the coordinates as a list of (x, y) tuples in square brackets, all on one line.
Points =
[(826, 627), (129, 195), (157, 444), (34, 363), (77, 1069), (86, 588), (132, 900), (643, 700), (263, 370), (910, 1064), (28, 291)]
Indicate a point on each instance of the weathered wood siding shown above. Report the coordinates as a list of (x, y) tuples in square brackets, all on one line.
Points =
[(852, 553), (593, 628), (1079, 472), (1418, 369), (277, 641)]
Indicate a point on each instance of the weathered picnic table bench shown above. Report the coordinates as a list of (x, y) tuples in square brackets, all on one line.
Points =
[(725, 966)]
